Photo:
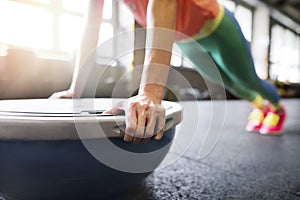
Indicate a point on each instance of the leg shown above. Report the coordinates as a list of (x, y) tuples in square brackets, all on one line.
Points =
[(210, 70), (231, 53)]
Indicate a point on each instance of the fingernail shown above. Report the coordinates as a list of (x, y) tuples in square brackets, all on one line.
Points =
[(127, 138), (158, 136)]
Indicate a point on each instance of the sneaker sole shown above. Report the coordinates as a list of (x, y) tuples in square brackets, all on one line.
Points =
[(271, 133), (252, 130)]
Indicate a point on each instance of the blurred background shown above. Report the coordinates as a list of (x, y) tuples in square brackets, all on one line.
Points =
[(39, 40)]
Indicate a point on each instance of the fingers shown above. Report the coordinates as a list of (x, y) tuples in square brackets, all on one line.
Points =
[(141, 120), (55, 96), (151, 121), (108, 112), (160, 125), (131, 123), (141, 123), (116, 110), (61, 95)]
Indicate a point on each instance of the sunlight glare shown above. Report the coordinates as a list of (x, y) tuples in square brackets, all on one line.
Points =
[(25, 25)]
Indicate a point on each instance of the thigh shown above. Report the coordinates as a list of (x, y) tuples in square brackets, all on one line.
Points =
[(230, 51), (202, 61)]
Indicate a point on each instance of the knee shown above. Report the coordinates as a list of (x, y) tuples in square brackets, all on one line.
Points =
[(248, 83)]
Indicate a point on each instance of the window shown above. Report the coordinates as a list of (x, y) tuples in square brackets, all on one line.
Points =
[(284, 54), (42, 24), (243, 14), (25, 25), (53, 26), (229, 4), (244, 17)]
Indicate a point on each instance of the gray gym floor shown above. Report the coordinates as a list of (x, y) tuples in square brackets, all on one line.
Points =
[(241, 165)]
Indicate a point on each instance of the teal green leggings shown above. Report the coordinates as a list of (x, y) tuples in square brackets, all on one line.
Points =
[(230, 52)]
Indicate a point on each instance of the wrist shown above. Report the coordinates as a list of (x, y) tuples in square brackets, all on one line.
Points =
[(70, 90), (153, 90)]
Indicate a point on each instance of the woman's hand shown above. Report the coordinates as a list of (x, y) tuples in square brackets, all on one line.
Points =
[(62, 95), (144, 117)]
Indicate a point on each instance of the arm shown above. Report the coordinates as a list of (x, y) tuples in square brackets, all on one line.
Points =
[(88, 45), (161, 19), (161, 22), (145, 109)]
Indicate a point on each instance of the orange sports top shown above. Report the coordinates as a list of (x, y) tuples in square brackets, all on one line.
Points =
[(191, 14)]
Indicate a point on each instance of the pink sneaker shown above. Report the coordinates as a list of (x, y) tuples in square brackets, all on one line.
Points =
[(256, 119), (273, 123)]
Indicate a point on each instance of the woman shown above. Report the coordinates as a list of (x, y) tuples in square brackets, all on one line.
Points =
[(211, 26)]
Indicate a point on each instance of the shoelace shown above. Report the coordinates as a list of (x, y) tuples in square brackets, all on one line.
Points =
[(272, 119)]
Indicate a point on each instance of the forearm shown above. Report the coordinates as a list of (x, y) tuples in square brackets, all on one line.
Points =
[(81, 68), (87, 46), (161, 21)]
